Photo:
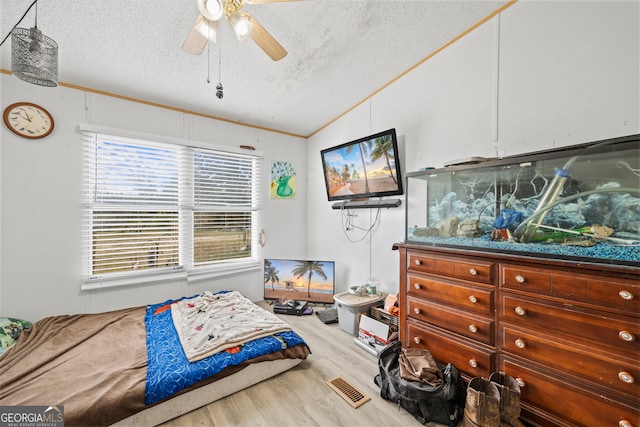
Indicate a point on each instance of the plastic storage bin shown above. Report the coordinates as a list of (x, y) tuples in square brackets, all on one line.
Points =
[(351, 306)]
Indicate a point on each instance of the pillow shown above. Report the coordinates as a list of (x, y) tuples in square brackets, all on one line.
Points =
[(10, 330)]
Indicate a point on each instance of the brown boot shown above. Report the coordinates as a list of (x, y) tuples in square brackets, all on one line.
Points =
[(509, 399), (482, 408)]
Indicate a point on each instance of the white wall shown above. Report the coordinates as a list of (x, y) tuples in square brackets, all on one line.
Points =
[(540, 75), (40, 248)]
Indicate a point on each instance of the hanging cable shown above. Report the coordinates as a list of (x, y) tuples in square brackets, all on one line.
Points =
[(18, 23), (348, 225)]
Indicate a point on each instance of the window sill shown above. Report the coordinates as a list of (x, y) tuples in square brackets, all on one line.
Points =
[(128, 280), (204, 273), (191, 276)]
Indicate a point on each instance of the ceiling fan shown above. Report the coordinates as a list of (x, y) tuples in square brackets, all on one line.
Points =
[(243, 24)]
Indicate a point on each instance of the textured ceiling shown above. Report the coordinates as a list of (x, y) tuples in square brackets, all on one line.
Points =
[(340, 52)]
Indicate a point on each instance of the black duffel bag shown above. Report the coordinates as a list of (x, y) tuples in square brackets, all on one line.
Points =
[(443, 403)]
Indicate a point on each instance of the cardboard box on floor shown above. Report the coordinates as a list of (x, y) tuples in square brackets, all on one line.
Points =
[(373, 335)]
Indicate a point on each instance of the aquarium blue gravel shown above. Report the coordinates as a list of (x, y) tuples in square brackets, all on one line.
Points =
[(601, 251)]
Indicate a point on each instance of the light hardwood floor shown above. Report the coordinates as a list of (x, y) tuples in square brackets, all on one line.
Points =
[(300, 396)]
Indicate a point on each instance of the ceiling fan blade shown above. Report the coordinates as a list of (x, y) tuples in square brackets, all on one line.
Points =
[(207, 28), (195, 42), (265, 41)]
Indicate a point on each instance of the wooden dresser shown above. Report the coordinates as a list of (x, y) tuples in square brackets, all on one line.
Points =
[(568, 332)]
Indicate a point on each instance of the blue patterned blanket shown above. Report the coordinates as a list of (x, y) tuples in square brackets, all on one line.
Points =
[(168, 369)]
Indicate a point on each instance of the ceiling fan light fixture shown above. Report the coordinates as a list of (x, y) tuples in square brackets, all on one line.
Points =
[(207, 28), (241, 25), (211, 9)]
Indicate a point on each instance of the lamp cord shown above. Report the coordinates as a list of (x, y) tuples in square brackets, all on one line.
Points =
[(18, 23)]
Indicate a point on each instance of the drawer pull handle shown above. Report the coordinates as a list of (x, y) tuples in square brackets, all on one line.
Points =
[(626, 295), (626, 336), (418, 262), (473, 299), (416, 285), (473, 271), (626, 377), (416, 310), (417, 340), (519, 279), (473, 363), (520, 343), (520, 311), (624, 423), (473, 328), (520, 382)]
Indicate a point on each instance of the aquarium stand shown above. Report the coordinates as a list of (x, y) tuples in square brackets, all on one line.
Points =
[(367, 204), (569, 329)]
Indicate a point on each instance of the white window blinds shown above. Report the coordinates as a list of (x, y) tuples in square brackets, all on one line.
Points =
[(225, 206), (154, 207)]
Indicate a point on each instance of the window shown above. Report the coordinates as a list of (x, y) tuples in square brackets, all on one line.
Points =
[(161, 208)]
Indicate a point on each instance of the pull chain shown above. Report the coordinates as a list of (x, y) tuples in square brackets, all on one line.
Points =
[(208, 63), (219, 87)]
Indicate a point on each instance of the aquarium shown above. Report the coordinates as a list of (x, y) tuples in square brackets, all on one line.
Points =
[(576, 203)]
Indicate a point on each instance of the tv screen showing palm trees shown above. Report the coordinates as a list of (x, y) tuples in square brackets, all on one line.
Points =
[(300, 280), (365, 168)]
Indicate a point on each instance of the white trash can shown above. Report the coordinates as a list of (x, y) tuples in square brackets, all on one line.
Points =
[(351, 306)]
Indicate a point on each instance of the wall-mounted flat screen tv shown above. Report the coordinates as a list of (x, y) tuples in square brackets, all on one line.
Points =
[(300, 280), (365, 168)]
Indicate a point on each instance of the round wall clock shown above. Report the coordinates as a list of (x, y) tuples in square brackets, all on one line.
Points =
[(28, 120)]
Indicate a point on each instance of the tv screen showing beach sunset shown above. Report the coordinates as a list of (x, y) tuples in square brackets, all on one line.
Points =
[(301, 280), (364, 168)]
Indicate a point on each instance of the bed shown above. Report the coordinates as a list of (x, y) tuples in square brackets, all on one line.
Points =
[(146, 365)]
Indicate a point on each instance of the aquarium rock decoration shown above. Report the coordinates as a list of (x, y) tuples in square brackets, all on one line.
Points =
[(425, 232), (450, 206), (579, 242), (620, 211), (469, 228), (448, 227)]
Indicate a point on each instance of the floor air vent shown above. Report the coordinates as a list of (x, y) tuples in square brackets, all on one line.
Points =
[(348, 392)]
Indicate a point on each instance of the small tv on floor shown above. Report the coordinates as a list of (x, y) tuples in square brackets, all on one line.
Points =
[(300, 280)]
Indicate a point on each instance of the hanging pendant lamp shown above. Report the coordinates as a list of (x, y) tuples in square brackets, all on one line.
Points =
[(34, 56)]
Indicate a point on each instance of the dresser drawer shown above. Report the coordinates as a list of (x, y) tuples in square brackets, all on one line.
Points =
[(597, 328), (619, 293), (474, 270), (472, 298), (472, 326), (472, 360), (621, 375), (546, 389)]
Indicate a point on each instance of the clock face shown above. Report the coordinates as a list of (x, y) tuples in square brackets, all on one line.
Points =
[(28, 120)]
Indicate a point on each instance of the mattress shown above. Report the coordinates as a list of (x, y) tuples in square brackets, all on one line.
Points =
[(201, 396), (96, 366)]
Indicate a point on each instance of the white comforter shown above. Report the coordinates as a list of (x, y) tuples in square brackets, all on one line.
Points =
[(210, 323)]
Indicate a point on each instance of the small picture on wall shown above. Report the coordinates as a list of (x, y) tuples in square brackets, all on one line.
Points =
[(283, 180)]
